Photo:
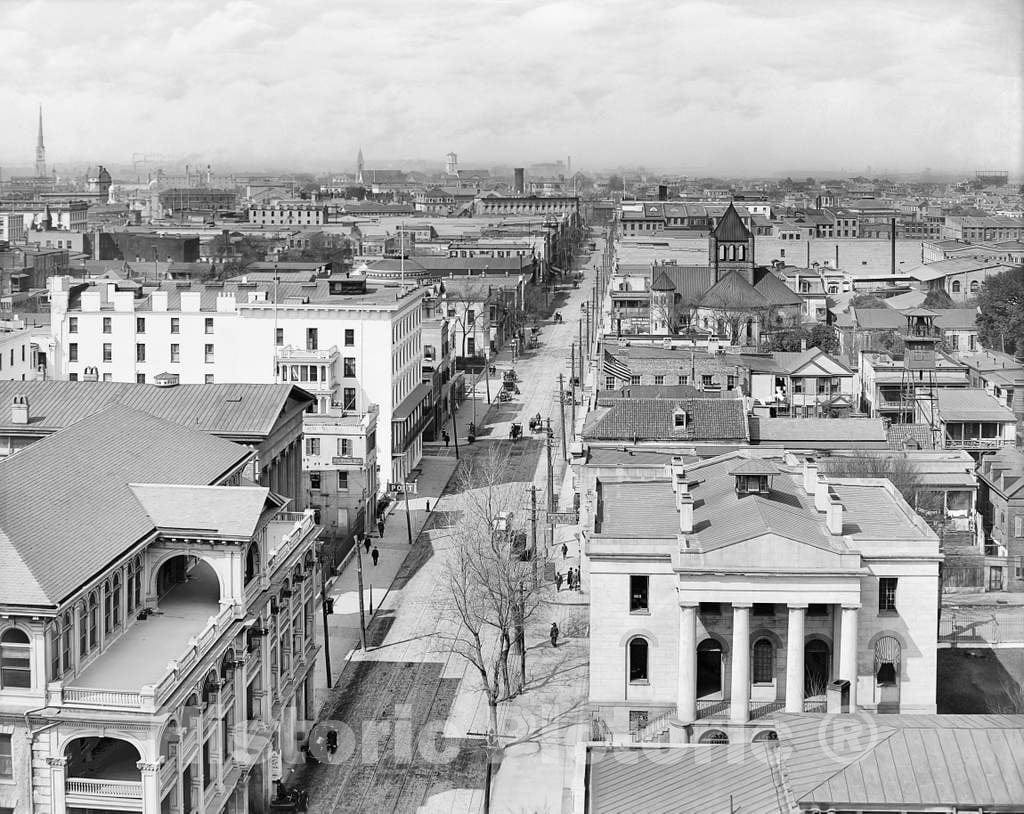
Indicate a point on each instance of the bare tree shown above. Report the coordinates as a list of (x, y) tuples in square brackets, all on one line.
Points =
[(900, 470), (674, 312), (490, 576)]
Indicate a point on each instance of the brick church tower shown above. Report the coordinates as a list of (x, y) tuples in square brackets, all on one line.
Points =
[(731, 247)]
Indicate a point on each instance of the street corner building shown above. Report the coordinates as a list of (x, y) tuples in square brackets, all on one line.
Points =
[(748, 585), (156, 621)]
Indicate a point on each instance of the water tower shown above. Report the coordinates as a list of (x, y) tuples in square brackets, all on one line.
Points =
[(919, 364)]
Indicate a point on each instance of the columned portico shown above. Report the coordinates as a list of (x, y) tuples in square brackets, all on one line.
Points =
[(795, 658), (848, 650), (739, 705), (686, 707)]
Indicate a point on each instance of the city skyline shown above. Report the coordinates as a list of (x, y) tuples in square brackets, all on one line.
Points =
[(702, 87)]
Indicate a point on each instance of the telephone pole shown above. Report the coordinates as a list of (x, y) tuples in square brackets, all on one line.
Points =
[(561, 409), (581, 351), (323, 605), (359, 585), (572, 387), (533, 532), (551, 473)]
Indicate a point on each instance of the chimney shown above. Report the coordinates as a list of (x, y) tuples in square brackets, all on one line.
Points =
[(803, 345), (678, 473), (821, 494), (685, 502), (810, 475), (19, 410), (834, 515)]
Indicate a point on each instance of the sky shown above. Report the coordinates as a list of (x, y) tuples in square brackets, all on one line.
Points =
[(733, 87)]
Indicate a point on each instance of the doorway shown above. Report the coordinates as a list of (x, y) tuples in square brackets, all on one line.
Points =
[(817, 668), (709, 668)]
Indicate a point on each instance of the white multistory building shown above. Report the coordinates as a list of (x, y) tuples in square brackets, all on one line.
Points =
[(349, 344)]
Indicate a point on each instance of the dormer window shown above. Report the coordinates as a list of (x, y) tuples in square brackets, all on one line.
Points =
[(754, 477), (679, 419)]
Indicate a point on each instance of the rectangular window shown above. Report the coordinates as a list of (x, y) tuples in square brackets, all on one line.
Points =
[(706, 381), (73, 377), (1018, 526), (208, 325), (107, 327), (140, 325), (684, 380), (279, 336), (312, 446), (887, 593), (730, 382), (175, 353), (345, 447), (175, 325), (350, 366), (108, 352), (207, 764), (208, 378), (108, 377), (995, 578), (311, 339), (639, 599), (314, 481), (343, 481), (140, 378), (350, 337), (348, 398), (659, 379), (140, 353), (72, 325), (634, 380), (208, 354), (73, 352), (6, 761)]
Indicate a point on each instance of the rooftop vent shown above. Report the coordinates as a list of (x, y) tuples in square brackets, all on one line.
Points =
[(19, 410), (754, 476), (166, 380)]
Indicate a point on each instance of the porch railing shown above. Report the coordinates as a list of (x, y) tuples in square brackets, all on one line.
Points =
[(720, 708), (91, 787)]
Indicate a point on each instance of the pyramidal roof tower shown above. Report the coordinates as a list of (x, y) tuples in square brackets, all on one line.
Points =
[(40, 148)]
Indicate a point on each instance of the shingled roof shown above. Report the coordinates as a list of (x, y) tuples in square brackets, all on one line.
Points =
[(652, 419), (732, 291), (730, 226), (67, 509)]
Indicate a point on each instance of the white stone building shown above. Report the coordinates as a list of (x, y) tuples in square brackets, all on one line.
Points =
[(157, 632), (743, 586), (349, 344)]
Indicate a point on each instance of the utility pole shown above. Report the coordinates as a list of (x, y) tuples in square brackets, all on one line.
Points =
[(323, 605), (455, 434), (561, 409), (551, 474), (581, 352), (588, 328), (362, 611), (533, 531), (572, 388), (408, 521)]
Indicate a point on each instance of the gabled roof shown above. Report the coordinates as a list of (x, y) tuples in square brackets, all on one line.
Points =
[(732, 291), (216, 511), (66, 507), (730, 226), (652, 419), (662, 283), (970, 404), (774, 290), (220, 409)]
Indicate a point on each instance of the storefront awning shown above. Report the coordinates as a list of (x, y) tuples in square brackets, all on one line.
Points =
[(411, 402)]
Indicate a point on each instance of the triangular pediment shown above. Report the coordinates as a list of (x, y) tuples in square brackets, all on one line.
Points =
[(774, 551), (821, 365)]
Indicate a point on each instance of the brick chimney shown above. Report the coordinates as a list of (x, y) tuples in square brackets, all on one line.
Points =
[(685, 503), (19, 410), (834, 515), (821, 497), (810, 475)]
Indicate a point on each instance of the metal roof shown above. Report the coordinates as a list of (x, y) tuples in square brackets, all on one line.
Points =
[(970, 404), (66, 507)]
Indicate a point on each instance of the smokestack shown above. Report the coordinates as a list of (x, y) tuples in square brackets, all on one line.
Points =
[(519, 182), (837, 255), (662, 192), (892, 246)]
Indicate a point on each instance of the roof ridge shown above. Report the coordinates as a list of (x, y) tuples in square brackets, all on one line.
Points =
[(859, 757)]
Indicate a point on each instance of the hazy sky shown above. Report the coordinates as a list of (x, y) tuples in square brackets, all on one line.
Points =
[(730, 87)]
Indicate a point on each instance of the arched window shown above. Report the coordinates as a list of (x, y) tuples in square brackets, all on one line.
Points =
[(721, 252), (638, 653), (252, 563), (83, 629), (741, 252), (15, 659), (67, 630), (766, 735), (108, 614), (888, 655), (130, 586), (764, 661), (956, 286), (732, 252), (974, 286), (116, 607), (714, 736), (94, 619), (138, 582)]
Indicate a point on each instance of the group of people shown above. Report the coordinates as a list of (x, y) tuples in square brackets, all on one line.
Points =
[(571, 579)]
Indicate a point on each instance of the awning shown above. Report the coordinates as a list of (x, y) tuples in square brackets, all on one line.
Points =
[(888, 651), (411, 402)]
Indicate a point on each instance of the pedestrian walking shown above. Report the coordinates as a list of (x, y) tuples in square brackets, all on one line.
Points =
[(375, 555), (558, 580), (570, 580), (554, 635), (380, 526), (579, 582), (366, 542), (565, 550), (446, 438)]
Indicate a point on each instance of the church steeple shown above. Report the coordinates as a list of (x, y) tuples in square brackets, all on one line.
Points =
[(40, 148), (731, 246), (359, 166)]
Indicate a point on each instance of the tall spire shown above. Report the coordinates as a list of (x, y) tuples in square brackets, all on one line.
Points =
[(359, 166), (40, 148)]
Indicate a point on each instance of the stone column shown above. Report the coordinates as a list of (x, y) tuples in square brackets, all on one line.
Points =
[(58, 784), (795, 658), (150, 786), (686, 703), (848, 651), (739, 706)]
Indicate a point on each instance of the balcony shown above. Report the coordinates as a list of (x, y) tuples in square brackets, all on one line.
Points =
[(103, 795), (102, 775), (286, 532), (134, 672), (707, 708), (292, 353)]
